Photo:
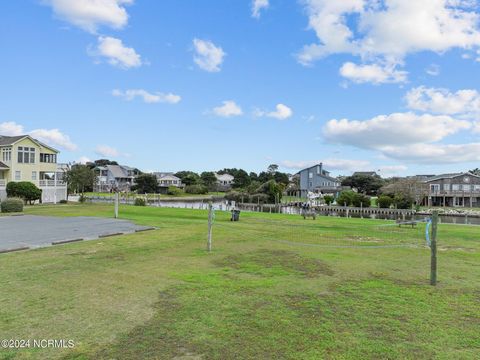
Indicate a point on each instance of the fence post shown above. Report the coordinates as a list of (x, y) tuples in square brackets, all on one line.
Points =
[(433, 248), (117, 198), (210, 224)]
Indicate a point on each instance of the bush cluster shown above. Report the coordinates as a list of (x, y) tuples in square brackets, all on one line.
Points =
[(384, 201), (352, 198), (24, 190), (140, 202), (11, 205), (173, 190)]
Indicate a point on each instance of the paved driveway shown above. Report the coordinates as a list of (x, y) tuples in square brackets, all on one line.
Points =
[(37, 231)]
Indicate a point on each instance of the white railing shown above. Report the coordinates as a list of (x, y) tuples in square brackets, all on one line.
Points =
[(3, 182), (51, 183)]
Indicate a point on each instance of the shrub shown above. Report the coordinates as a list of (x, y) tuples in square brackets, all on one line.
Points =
[(11, 205), (403, 202), (140, 202), (173, 190), (346, 198), (196, 189), (63, 201), (24, 190), (328, 199), (360, 200), (384, 201), (82, 199)]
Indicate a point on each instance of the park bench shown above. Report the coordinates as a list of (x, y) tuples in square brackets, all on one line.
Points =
[(411, 223)]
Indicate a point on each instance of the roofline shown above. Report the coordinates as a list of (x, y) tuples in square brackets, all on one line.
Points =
[(438, 177), (39, 143)]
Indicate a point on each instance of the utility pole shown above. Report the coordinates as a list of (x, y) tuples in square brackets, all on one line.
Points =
[(433, 249)]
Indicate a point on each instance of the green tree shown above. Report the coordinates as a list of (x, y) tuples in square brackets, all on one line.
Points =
[(80, 178), (146, 184), (365, 184), (188, 177), (346, 198), (208, 179), (272, 169)]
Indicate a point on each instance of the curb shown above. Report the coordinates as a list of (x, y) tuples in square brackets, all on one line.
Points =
[(4, 251), (65, 241), (147, 229), (109, 235)]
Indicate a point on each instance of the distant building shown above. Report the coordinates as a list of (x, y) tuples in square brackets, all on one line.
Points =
[(365, 173), (224, 181), (318, 180), (167, 179), (23, 158), (114, 177), (458, 189)]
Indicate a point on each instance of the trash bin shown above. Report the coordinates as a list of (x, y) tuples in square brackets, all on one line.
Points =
[(235, 215)]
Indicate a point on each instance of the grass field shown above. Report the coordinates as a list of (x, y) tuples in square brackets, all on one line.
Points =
[(273, 288)]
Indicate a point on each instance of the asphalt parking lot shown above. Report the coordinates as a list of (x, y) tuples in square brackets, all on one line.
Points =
[(31, 231)]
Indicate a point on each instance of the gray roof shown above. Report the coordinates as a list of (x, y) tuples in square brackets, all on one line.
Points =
[(448, 176), (9, 140), (117, 171)]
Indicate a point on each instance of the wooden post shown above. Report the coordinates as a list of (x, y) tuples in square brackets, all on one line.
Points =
[(433, 248), (210, 225), (117, 198)]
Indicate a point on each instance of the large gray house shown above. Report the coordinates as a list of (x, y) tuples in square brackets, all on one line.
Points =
[(317, 180), (459, 189), (114, 177)]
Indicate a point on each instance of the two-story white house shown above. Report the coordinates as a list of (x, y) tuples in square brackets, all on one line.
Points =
[(224, 181), (23, 158)]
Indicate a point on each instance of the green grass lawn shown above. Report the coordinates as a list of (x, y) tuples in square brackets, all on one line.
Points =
[(274, 287)]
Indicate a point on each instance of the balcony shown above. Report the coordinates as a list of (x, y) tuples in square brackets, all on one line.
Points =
[(459, 193), (51, 183)]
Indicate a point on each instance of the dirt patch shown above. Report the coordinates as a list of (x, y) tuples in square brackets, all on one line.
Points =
[(286, 262)]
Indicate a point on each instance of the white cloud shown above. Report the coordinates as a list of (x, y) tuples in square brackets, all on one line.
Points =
[(257, 6), (208, 56), (147, 97), (435, 153), (54, 137), (228, 109), (433, 70), (281, 112), (372, 73), (388, 30), (391, 130), (442, 101), (10, 128), (83, 160), (107, 151), (90, 14), (117, 54), (390, 170)]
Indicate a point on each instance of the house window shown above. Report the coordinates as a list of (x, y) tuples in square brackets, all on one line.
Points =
[(310, 175), (446, 187), (455, 187), (7, 154), (34, 175), (477, 187), (49, 158), (26, 155), (18, 175)]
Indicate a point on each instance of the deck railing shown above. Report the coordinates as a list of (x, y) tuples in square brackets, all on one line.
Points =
[(51, 183)]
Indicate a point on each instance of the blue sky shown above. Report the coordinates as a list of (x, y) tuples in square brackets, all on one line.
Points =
[(169, 85)]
